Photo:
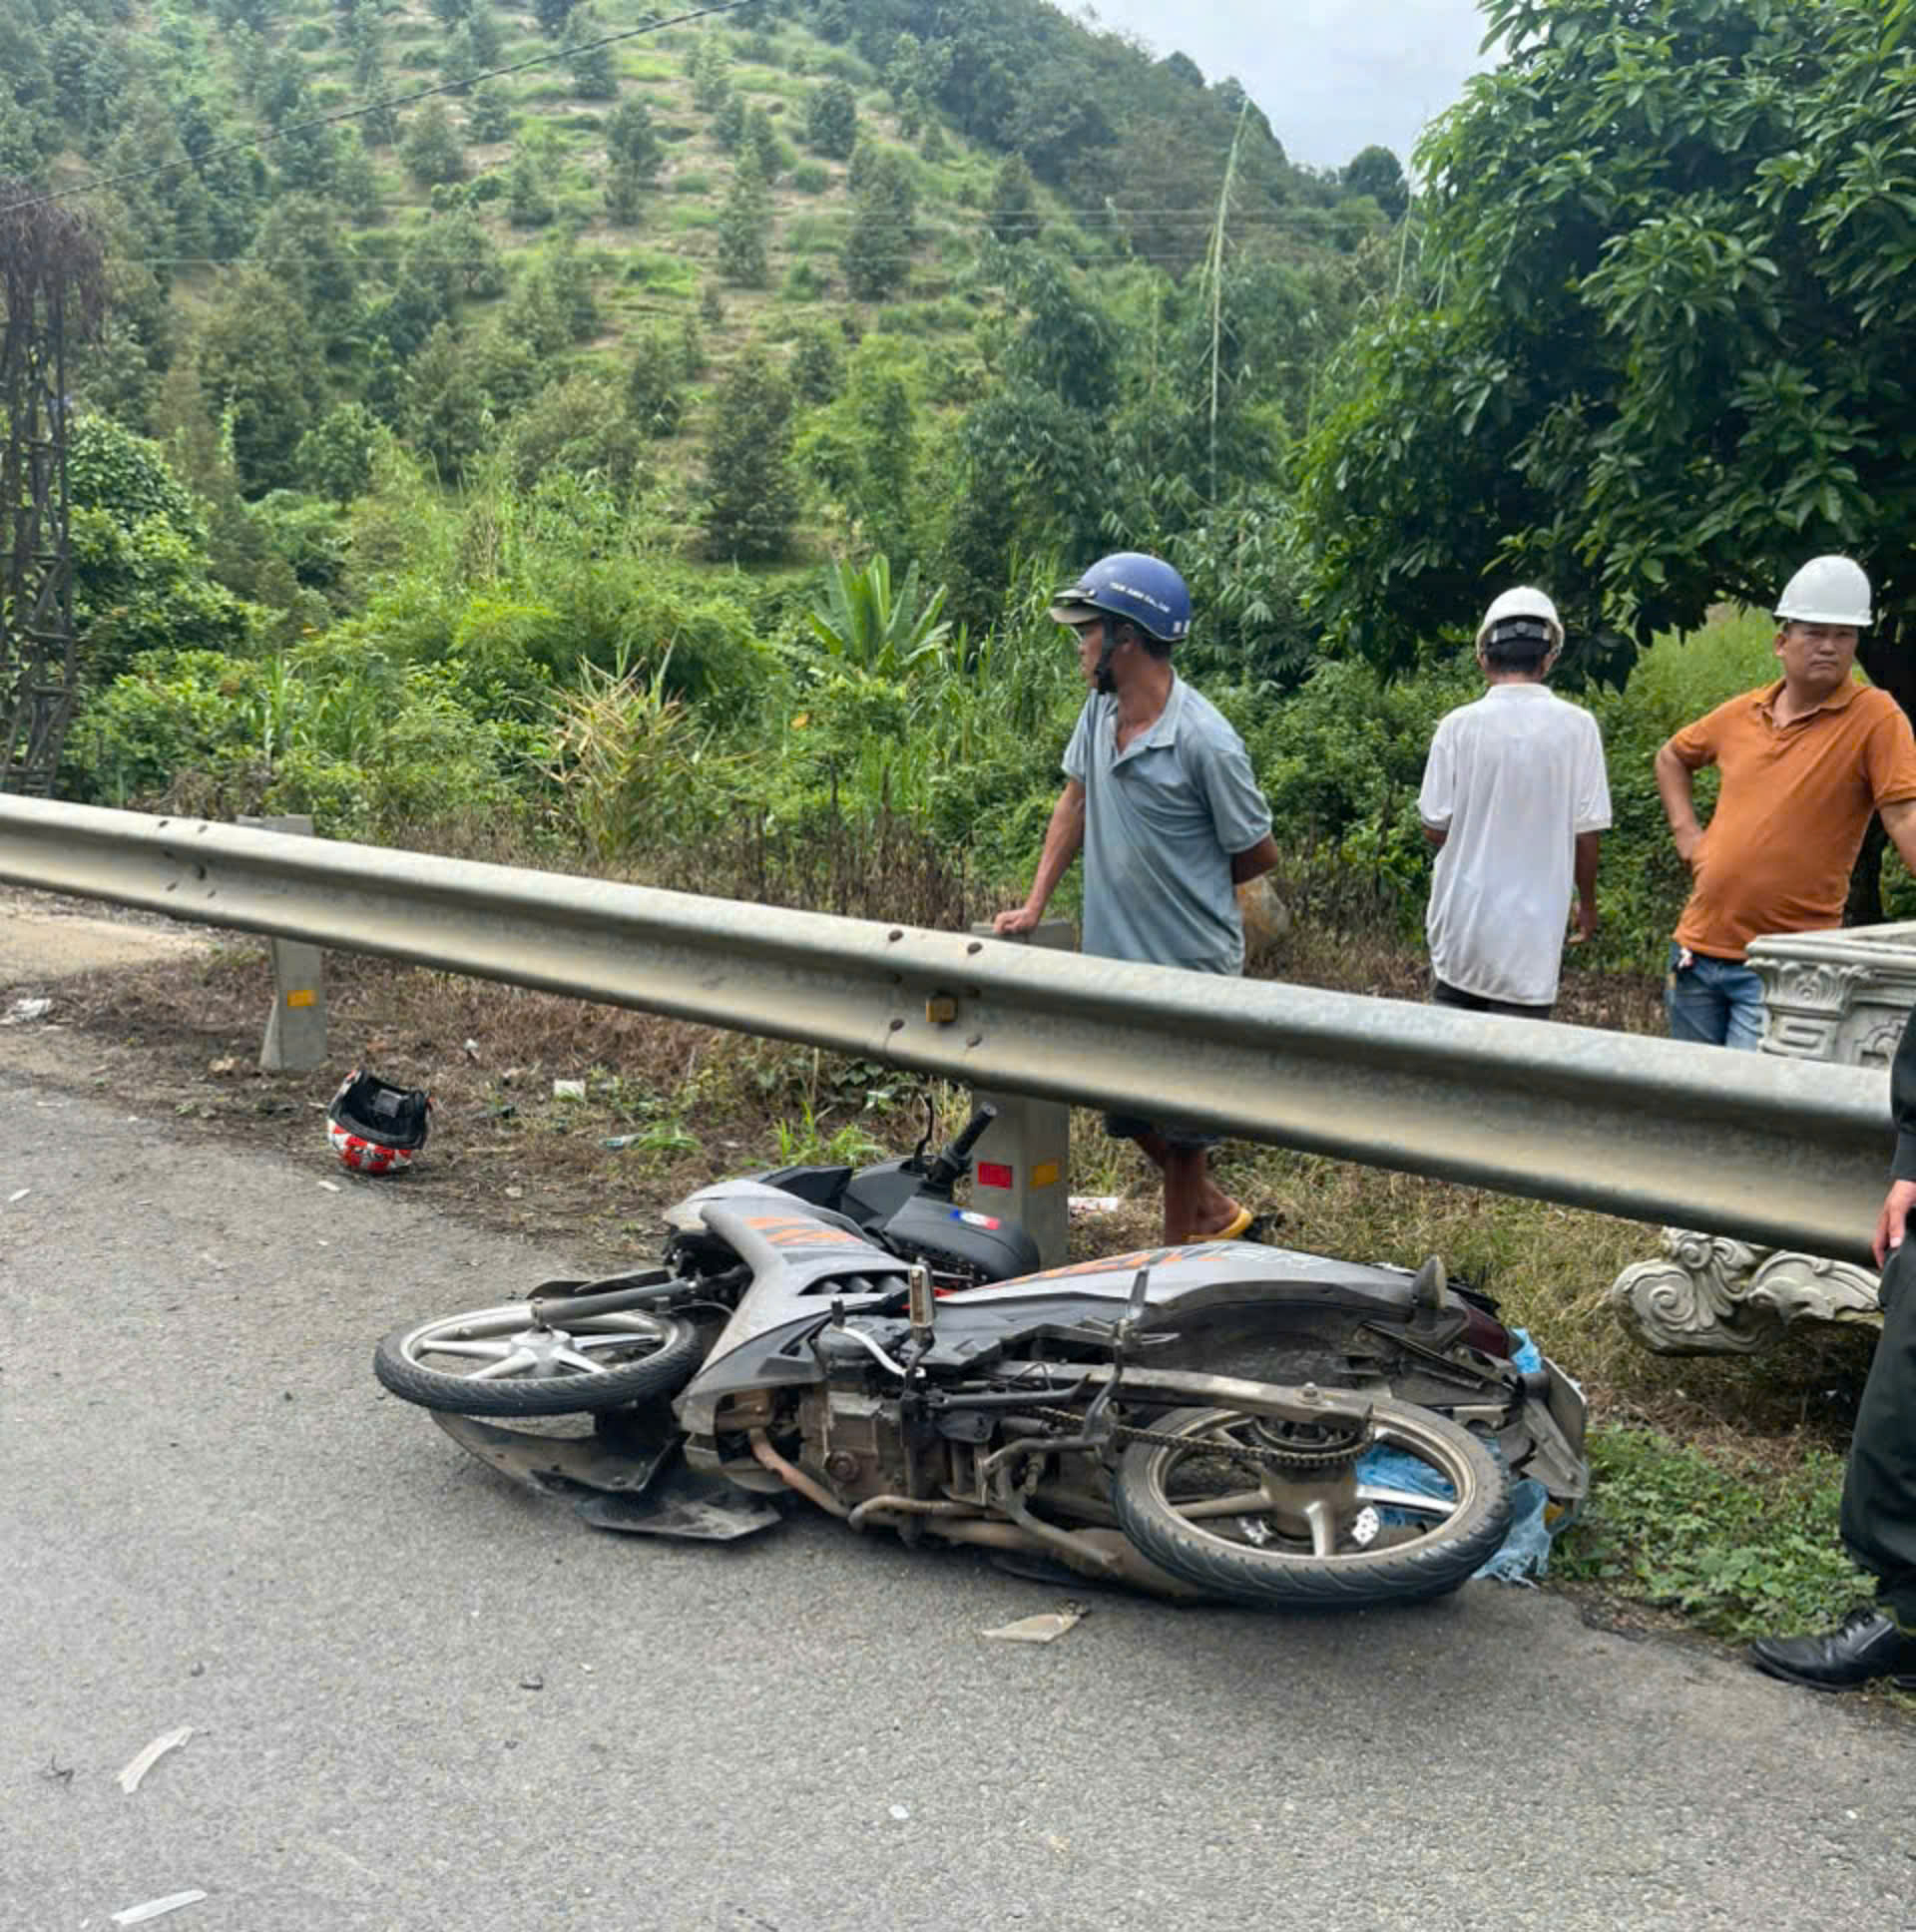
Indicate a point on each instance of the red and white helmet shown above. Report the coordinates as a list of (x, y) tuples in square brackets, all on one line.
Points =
[(376, 1127)]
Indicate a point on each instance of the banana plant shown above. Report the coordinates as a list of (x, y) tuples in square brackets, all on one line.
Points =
[(865, 625)]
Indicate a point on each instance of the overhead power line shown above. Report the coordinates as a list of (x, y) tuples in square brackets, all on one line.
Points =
[(265, 136)]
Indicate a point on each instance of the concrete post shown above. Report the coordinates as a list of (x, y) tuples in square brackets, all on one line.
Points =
[(295, 1041), (1022, 1166)]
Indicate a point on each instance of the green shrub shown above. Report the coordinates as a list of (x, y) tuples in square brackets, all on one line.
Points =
[(810, 178)]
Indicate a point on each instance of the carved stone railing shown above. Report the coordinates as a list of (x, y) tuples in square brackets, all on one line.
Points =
[(1834, 996)]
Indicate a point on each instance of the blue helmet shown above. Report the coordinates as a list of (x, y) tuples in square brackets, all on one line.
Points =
[(1144, 590)]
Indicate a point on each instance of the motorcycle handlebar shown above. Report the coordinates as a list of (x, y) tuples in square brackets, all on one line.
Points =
[(956, 1159)]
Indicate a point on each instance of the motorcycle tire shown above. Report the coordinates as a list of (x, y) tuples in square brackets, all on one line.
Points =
[(1225, 1555), (646, 1356)]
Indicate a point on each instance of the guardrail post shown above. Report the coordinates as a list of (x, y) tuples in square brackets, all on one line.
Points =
[(295, 1041), (1021, 1166)]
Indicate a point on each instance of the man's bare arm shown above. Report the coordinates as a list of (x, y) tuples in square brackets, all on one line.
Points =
[(1436, 834), (1676, 786), (1063, 838), (1899, 821), (1589, 848), (1254, 862)]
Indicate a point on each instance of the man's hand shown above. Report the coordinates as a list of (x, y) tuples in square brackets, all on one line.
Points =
[(1688, 841), (1017, 919), (1891, 1224), (1585, 928)]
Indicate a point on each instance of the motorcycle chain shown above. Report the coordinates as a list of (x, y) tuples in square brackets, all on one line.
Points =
[(1331, 1455)]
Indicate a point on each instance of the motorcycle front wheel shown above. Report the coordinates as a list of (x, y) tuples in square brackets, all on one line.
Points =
[(499, 1361), (1308, 1519)]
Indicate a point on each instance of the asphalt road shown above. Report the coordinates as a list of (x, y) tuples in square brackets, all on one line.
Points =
[(210, 1515)]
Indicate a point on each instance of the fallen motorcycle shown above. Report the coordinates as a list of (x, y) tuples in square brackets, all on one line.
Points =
[(1221, 1420)]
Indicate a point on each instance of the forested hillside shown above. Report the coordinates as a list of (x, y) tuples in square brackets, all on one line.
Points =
[(650, 443)]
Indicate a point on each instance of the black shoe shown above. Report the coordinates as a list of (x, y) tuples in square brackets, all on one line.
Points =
[(1864, 1646)]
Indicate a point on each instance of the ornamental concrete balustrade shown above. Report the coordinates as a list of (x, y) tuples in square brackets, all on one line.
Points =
[(1838, 997)]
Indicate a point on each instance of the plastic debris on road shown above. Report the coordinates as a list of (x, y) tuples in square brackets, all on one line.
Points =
[(147, 1758), (1082, 1206), (156, 1908), (22, 1012), (19, 1193), (901, 1812), (567, 1090), (1042, 1629)]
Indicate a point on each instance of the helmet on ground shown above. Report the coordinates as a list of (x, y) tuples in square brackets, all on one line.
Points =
[(1827, 590), (1522, 613), (1142, 590), (376, 1127)]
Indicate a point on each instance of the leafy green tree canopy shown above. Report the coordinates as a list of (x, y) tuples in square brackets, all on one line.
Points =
[(1660, 352)]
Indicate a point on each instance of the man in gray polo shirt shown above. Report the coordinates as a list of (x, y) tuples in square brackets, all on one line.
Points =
[(1160, 799)]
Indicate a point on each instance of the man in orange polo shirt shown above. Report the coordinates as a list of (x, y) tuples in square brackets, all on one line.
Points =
[(1804, 764)]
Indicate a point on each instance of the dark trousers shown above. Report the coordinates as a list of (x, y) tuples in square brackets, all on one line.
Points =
[(1879, 1487), (1442, 993)]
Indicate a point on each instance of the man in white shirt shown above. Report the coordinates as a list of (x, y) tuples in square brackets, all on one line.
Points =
[(1516, 800)]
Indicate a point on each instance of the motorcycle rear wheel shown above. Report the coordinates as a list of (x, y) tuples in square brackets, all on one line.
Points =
[(518, 1368), (1312, 1537)]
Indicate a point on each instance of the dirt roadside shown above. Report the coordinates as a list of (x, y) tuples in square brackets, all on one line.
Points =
[(167, 1026)]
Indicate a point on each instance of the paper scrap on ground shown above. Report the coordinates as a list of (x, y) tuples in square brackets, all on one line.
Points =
[(567, 1090), (156, 1908), (147, 1758), (1040, 1628), (19, 1193), (21, 1011), (1083, 1205)]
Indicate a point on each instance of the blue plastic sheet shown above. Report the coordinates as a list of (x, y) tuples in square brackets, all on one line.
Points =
[(1524, 1554)]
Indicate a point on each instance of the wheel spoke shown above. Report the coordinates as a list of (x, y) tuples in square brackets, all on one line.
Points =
[(1244, 1502), (1323, 1527), (1384, 1497), (573, 1359), (486, 1351), (622, 1340), (513, 1363)]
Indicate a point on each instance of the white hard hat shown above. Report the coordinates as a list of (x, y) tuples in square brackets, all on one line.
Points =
[(1827, 590), (1522, 601)]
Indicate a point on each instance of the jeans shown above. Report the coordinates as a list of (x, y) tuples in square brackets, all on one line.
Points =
[(1718, 1002)]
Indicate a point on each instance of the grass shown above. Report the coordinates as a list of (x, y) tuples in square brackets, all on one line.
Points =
[(1739, 1551)]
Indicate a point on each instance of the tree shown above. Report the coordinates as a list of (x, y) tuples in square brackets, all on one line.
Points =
[(633, 140), (762, 140), (745, 226), (488, 113), (655, 401), (552, 15), (750, 499), (817, 367), (527, 203), (1659, 354), (334, 458), (831, 119), (1013, 214), (710, 69), (878, 248), (259, 363), (448, 418), (432, 151), (594, 78), (1376, 172)]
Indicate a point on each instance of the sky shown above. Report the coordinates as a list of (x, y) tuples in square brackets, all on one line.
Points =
[(1332, 76)]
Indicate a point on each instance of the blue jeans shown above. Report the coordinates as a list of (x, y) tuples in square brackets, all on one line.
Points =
[(1718, 1002)]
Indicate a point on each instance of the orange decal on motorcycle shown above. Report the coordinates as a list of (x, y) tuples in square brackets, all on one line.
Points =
[(784, 1232), (1113, 1264)]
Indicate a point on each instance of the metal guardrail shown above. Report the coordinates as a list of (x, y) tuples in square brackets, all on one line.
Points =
[(1785, 1153)]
